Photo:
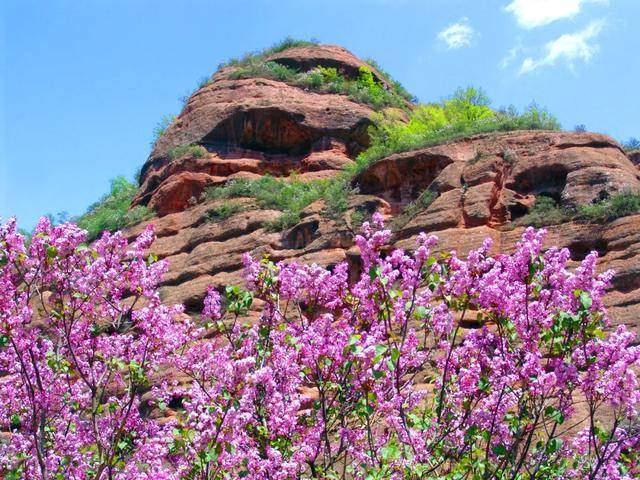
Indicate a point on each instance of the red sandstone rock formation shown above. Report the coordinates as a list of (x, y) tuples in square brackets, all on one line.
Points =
[(484, 184), (259, 126)]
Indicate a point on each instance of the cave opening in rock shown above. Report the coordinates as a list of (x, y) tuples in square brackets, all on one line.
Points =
[(301, 235), (549, 180), (580, 248), (517, 210), (267, 130), (402, 181)]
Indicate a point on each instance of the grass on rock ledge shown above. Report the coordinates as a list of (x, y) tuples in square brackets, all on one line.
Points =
[(289, 196), (255, 62), (546, 210), (195, 151), (465, 113), (222, 211), (281, 46), (364, 89), (112, 212), (618, 205)]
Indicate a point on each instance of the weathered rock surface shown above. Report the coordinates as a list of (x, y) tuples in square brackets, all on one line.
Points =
[(257, 126), (480, 186), (480, 194), (573, 168)]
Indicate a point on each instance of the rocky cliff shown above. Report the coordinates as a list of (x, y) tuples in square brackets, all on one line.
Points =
[(462, 191)]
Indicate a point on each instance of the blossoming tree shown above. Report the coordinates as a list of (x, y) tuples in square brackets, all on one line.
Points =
[(373, 379)]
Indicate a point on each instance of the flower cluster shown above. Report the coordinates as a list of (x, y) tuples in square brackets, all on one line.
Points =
[(425, 366), (83, 333)]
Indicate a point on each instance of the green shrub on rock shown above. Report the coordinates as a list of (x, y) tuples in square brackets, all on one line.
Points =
[(618, 205), (195, 151), (222, 211), (545, 211), (113, 211), (466, 113)]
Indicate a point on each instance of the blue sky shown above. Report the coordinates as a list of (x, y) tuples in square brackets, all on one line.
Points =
[(84, 82)]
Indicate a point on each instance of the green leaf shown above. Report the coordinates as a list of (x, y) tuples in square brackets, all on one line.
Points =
[(51, 251), (211, 455), (374, 272), (500, 450), (471, 432), (380, 349), (554, 445), (554, 414), (585, 301), (14, 421), (483, 384), (421, 312), (395, 355)]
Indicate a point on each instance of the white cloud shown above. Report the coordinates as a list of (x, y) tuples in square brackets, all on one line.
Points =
[(536, 13), (457, 35), (511, 55), (567, 48)]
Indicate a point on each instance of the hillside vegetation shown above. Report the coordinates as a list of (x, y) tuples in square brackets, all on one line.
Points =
[(467, 112), (363, 89), (112, 212), (255, 56), (546, 211)]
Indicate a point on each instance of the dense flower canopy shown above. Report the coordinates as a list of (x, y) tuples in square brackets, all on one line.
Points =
[(308, 373)]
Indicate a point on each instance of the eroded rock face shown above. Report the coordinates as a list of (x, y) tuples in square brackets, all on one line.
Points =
[(504, 172), (478, 187), (257, 126), (483, 186)]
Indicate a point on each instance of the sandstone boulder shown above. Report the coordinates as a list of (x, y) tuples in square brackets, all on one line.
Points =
[(500, 174)]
